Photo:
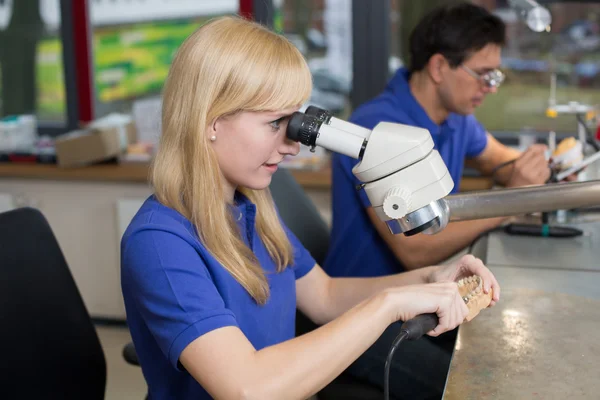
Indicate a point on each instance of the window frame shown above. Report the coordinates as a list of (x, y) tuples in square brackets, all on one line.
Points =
[(68, 15)]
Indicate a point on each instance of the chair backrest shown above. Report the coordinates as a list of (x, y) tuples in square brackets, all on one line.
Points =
[(48, 344), (300, 214)]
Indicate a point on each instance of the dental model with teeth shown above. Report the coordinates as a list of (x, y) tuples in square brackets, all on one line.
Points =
[(472, 293)]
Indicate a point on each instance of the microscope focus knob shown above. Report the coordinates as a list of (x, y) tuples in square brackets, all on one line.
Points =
[(397, 202)]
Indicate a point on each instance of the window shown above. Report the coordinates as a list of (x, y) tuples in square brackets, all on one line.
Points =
[(569, 51), (404, 16), (134, 42), (397, 57), (530, 59), (31, 61), (322, 31)]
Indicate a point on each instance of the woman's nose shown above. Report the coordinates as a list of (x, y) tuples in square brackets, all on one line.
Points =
[(289, 147)]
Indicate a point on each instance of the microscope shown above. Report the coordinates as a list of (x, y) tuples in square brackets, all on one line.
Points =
[(408, 183)]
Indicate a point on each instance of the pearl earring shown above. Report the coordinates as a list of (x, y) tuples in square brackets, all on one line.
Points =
[(213, 138)]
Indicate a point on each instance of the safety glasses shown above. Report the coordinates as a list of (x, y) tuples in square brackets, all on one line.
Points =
[(492, 79)]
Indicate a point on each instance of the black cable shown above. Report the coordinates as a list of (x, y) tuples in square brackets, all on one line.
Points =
[(412, 329), (388, 363), (588, 134), (496, 169), (481, 235), (504, 164)]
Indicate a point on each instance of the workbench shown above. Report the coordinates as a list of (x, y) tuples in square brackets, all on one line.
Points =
[(539, 341)]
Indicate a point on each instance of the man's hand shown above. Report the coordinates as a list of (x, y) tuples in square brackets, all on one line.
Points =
[(466, 266), (531, 168), (572, 177)]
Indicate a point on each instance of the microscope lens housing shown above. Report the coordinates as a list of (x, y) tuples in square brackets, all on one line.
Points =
[(313, 131), (319, 113)]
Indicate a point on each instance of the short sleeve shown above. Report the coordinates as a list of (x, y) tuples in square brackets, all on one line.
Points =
[(303, 260), (477, 137), (172, 288)]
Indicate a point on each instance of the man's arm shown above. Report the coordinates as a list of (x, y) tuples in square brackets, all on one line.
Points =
[(530, 167), (421, 250), (494, 155)]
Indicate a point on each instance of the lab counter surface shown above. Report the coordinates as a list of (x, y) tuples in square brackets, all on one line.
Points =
[(540, 340)]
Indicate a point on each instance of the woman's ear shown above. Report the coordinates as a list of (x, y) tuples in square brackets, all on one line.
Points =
[(213, 129)]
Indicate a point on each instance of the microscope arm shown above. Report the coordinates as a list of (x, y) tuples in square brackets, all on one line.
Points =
[(516, 201)]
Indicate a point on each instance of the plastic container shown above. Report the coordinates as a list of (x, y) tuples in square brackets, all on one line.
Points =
[(18, 133)]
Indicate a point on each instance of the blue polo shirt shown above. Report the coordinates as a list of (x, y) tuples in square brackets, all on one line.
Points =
[(175, 291), (356, 249)]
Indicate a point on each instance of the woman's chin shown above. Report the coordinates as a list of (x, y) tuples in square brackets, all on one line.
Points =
[(259, 184)]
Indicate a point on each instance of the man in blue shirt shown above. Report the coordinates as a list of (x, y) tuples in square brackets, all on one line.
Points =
[(455, 56)]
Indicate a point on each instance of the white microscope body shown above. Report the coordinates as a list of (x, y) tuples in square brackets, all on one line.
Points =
[(402, 175)]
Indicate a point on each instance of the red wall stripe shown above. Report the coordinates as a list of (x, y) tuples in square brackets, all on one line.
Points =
[(247, 8), (83, 60)]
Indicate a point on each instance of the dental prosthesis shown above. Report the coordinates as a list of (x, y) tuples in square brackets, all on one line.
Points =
[(471, 291)]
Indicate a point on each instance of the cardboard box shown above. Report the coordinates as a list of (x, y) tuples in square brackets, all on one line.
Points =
[(101, 140)]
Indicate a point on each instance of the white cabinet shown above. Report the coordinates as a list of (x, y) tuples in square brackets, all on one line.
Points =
[(6, 202), (126, 210)]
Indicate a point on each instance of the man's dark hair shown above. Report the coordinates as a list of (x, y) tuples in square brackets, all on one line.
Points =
[(454, 31)]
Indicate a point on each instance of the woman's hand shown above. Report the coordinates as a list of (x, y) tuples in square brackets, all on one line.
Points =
[(466, 266), (406, 302)]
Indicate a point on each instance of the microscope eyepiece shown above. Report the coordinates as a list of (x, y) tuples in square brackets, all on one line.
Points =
[(312, 132), (303, 128)]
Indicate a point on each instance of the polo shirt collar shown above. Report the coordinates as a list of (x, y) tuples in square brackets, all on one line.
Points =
[(400, 88), (245, 213)]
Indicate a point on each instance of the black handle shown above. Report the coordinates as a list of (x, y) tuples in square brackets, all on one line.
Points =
[(543, 230), (419, 325)]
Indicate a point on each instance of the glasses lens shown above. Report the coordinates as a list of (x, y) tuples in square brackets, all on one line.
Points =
[(493, 78)]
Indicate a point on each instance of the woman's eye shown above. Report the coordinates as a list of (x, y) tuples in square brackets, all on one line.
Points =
[(276, 124)]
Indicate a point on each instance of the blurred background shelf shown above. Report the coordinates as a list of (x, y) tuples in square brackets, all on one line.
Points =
[(138, 172)]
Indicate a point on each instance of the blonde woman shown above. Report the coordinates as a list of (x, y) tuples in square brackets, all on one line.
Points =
[(210, 275)]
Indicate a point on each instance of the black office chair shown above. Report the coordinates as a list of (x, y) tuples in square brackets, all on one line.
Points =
[(302, 217), (48, 345)]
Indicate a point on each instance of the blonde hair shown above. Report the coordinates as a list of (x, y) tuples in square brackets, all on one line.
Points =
[(228, 65)]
